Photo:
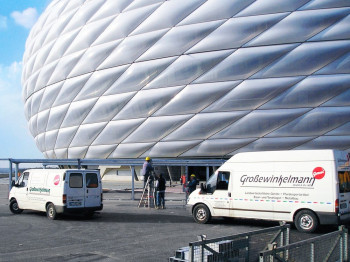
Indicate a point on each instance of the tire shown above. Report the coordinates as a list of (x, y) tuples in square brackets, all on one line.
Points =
[(306, 221), (14, 207), (201, 214), (51, 211)]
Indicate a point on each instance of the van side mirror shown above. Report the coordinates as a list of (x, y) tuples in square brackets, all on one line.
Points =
[(13, 183), (203, 189)]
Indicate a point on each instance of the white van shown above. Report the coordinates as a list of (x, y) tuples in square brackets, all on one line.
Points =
[(307, 187), (56, 191)]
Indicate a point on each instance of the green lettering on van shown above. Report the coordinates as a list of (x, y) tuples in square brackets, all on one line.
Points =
[(39, 190)]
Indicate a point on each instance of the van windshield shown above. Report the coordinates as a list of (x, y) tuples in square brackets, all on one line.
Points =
[(23, 180), (344, 181), (211, 183)]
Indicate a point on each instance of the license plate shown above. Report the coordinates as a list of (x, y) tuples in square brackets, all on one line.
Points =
[(74, 204)]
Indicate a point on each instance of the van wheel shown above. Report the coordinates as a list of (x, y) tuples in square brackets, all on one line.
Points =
[(14, 207), (51, 211), (306, 221), (201, 214)]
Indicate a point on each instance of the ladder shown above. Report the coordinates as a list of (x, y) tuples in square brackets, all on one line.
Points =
[(147, 195)]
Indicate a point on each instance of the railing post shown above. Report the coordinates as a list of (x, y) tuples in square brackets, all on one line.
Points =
[(312, 252), (202, 252), (132, 183), (207, 177), (247, 248), (191, 253), (10, 174), (345, 237), (186, 175), (16, 171), (343, 244), (261, 257), (286, 242)]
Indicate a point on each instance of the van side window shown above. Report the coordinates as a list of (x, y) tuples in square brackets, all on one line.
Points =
[(76, 180), (223, 178), (344, 182), (91, 180)]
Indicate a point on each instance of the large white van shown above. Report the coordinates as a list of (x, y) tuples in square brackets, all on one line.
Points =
[(56, 191), (307, 187)]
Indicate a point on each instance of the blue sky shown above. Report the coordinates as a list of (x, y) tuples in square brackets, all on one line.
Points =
[(16, 19)]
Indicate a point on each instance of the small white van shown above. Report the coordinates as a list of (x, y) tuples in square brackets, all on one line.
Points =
[(57, 191), (307, 187)]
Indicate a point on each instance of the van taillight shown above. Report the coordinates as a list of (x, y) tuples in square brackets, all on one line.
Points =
[(64, 199), (336, 206)]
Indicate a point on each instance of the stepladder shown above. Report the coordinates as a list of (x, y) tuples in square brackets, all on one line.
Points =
[(147, 197)]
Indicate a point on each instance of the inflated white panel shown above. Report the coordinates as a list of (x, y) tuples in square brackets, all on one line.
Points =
[(195, 98), (116, 131), (101, 151), (107, 107), (252, 93), (77, 112), (146, 102), (164, 125), (133, 150), (86, 134), (318, 20)]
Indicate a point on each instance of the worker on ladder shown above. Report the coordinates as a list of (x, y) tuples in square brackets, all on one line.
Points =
[(147, 170)]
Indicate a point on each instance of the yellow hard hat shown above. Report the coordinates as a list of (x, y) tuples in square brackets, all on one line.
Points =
[(148, 158), (193, 175)]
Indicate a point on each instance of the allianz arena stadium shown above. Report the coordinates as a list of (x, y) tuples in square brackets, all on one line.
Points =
[(188, 78)]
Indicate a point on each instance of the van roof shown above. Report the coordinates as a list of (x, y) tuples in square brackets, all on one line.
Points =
[(58, 170), (285, 155)]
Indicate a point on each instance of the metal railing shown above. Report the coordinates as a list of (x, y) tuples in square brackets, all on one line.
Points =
[(242, 247), (328, 247)]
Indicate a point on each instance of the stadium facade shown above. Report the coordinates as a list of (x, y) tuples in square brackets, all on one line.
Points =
[(188, 78)]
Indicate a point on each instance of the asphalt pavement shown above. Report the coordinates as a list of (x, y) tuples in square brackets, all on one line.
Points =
[(120, 232)]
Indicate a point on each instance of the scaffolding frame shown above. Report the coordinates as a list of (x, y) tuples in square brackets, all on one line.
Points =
[(82, 163)]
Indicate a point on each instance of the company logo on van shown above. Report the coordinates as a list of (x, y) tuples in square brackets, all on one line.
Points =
[(56, 180), (318, 173), (39, 190)]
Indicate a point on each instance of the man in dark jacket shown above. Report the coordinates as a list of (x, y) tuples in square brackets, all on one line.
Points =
[(160, 188), (192, 184)]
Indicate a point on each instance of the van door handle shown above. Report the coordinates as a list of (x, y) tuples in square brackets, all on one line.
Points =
[(87, 190), (229, 194)]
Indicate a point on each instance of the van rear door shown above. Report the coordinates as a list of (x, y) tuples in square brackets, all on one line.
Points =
[(75, 190), (93, 190), (344, 191)]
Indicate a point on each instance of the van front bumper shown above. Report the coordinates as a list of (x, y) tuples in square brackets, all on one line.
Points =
[(189, 209), (65, 209)]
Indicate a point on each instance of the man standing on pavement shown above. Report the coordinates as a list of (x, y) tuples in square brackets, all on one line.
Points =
[(160, 188), (147, 170)]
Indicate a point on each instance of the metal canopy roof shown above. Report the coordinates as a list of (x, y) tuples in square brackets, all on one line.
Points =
[(123, 162)]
